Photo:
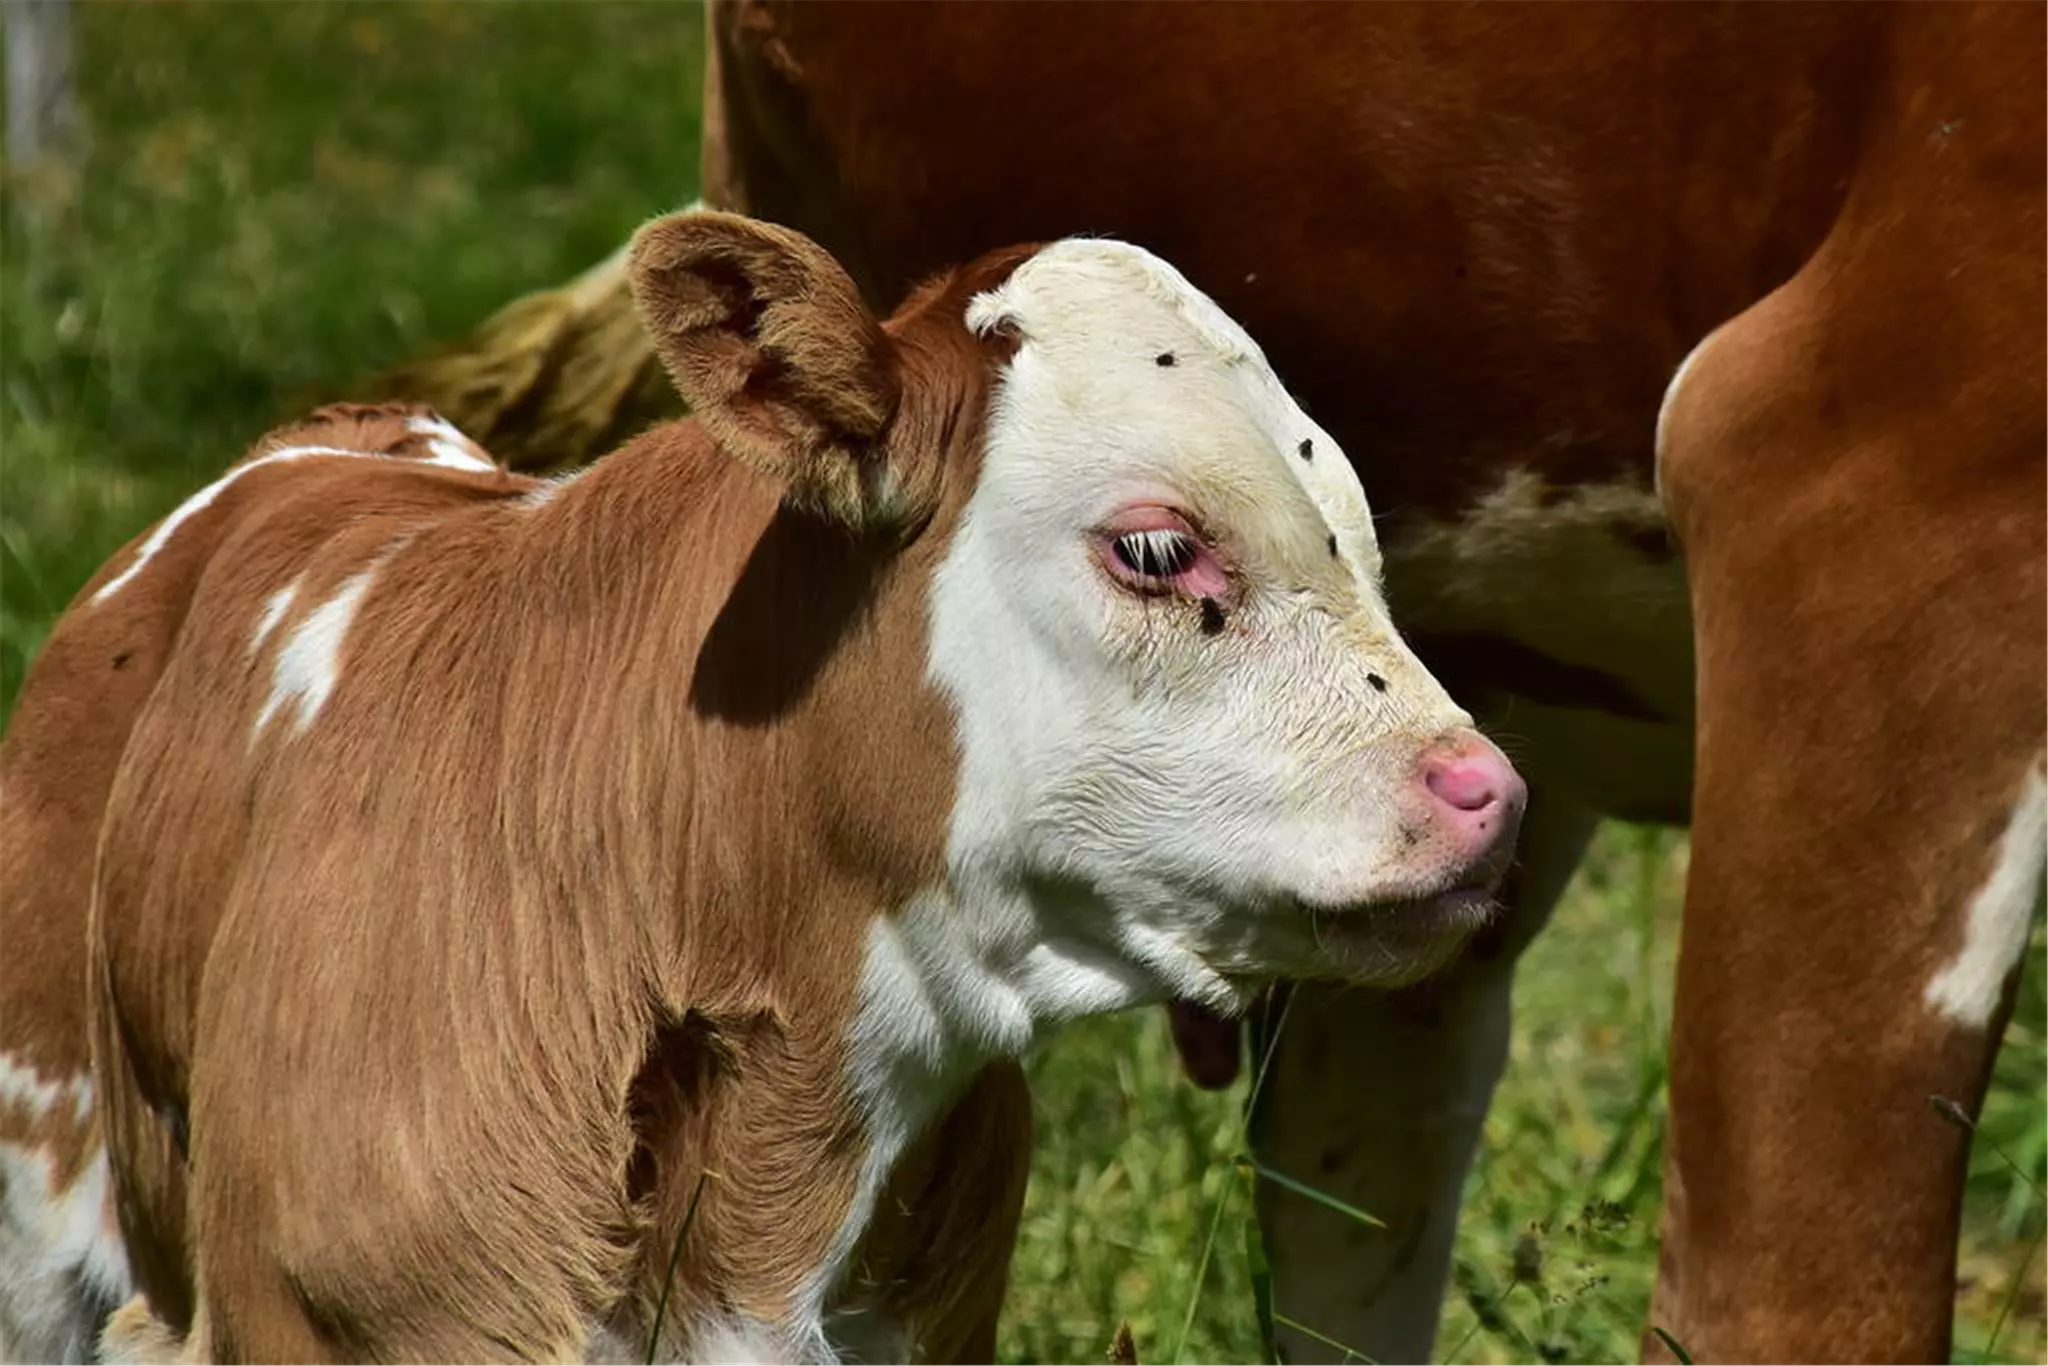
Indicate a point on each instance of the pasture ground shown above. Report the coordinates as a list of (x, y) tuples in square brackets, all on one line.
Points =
[(278, 198)]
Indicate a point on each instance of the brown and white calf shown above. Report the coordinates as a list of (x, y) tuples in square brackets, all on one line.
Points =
[(505, 887)]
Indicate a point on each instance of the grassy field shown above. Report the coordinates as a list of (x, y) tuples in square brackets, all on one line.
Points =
[(281, 197)]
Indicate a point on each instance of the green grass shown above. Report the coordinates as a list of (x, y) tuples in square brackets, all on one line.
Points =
[(281, 197), (1567, 1182)]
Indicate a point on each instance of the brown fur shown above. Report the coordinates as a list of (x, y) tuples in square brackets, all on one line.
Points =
[(561, 900)]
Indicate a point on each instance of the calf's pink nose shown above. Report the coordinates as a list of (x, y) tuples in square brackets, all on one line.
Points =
[(1473, 777)]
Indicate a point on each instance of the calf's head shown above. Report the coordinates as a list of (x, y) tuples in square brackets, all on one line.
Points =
[(1193, 752)]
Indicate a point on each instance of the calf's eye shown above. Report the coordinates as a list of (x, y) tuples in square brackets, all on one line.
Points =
[(1159, 553), (1156, 552)]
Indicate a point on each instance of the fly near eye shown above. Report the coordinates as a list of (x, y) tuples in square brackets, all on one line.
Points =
[(1157, 554)]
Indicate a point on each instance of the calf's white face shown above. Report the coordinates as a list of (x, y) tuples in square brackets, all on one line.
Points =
[(1194, 753), (1187, 724)]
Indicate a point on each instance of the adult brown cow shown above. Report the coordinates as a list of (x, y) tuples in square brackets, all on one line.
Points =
[(1481, 239)]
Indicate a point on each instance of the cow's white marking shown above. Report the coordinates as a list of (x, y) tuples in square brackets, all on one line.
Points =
[(1664, 408), (22, 1087), (903, 1053), (726, 1340), (1541, 550), (452, 450), (604, 1345), (1968, 987), (944, 990), (203, 499), (62, 1266), (1049, 294), (309, 663), (544, 492), (274, 609), (730, 1341)]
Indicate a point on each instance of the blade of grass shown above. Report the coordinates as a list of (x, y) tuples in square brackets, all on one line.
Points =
[(1303, 1189), (1463, 1342), (1187, 1322), (1350, 1353), (1262, 1289), (675, 1254), (1953, 1112), (1677, 1348)]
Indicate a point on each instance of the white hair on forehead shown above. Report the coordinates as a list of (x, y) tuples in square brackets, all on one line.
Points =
[(1114, 267), (1089, 301)]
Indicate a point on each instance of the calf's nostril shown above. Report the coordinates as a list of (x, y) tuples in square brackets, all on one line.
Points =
[(1463, 784)]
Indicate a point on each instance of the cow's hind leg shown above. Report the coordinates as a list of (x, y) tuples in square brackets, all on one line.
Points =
[(1377, 1099)]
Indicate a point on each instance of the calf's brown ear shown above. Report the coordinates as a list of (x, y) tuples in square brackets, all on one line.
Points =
[(776, 354)]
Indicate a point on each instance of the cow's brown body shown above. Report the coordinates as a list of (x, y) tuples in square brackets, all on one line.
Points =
[(1479, 240)]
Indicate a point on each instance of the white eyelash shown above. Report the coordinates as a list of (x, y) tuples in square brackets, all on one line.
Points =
[(1159, 554)]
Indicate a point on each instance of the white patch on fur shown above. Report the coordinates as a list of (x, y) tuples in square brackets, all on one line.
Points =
[(947, 987), (739, 1342), (1046, 297), (944, 990), (309, 662), (203, 499), (274, 609), (927, 1011), (62, 1266), (452, 450), (544, 493), (22, 1087), (709, 1342), (1967, 990)]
